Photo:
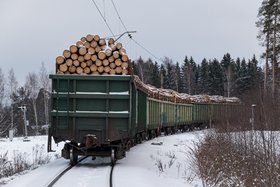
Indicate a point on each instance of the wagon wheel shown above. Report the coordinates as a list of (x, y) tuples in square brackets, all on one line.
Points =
[(113, 156), (73, 156), (128, 145)]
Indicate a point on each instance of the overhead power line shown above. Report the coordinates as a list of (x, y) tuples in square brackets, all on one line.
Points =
[(128, 32), (103, 18), (148, 51), (119, 16)]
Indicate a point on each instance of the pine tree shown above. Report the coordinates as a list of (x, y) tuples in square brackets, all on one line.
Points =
[(269, 27), (180, 77), (242, 79), (203, 83), (184, 80), (187, 75), (164, 78), (191, 75), (227, 65), (156, 76), (216, 86)]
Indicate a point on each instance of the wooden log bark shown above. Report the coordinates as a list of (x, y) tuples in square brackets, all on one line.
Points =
[(124, 58), (124, 65), (102, 42), (79, 44), (87, 57), (101, 55), (122, 51), (59, 60), (63, 67), (107, 69), (72, 69), (111, 41), (82, 51), (73, 49), (96, 38), (105, 62), (112, 65), (81, 59), (112, 72), (87, 70), (83, 39), (79, 70), (74, 56), (93, 58), (93, 68), (113, 47), (93, 44), (111, 59), (87, 45), (124, 71), (119, 45), (98, 62), (76, 63), (89, 63), (69, 62), (66, 53), (116, 54), (100, 69), (83, 65), (89, 37), (97, 49), (91, 51), (118, 70), (108, 52), (118, 62)]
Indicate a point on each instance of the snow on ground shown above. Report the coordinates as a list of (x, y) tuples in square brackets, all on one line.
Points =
[(146, 165), (28, 148)]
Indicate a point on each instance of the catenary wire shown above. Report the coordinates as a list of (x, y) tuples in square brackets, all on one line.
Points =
[(103, 18), (137, 43), (119, 16)]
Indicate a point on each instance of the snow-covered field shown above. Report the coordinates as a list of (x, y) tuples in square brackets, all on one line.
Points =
[(146, 165)]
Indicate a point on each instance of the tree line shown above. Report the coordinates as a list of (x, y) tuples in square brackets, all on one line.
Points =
[(227, 77), (34, 95)]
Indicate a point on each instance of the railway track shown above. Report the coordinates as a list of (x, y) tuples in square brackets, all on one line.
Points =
[(63, 172), (94, 168)]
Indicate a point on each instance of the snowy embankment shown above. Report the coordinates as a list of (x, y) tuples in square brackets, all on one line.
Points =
[(25, 155), (163, 161)]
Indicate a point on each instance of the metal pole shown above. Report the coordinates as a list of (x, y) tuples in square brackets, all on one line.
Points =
[(24, 118), (253, 117), (23, 109)]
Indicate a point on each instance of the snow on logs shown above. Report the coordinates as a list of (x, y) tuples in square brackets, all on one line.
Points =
[(173, 96), (94, 55)]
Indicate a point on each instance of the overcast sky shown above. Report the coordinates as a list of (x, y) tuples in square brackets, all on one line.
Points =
[(36, 31)]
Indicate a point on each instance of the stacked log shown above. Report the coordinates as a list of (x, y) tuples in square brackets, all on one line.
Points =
[(175, 97), (93, 55)]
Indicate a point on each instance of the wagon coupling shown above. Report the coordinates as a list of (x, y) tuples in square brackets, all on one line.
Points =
[(91, 140)]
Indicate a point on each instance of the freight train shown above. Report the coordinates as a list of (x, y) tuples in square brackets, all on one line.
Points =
[(106, 115)]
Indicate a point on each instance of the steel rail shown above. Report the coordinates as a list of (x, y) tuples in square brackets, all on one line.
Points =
[(63, 172)]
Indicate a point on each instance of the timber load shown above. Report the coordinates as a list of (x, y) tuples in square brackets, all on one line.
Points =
[(93, 55), (175, 97)]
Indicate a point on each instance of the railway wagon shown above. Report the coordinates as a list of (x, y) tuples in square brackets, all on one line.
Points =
[(93, 115), (167, 117), (201, 114)]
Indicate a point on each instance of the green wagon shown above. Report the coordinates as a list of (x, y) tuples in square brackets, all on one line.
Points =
[(94, 115)]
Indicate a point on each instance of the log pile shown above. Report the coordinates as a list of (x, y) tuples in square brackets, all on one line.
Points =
[(93, 55), (175, 97)]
